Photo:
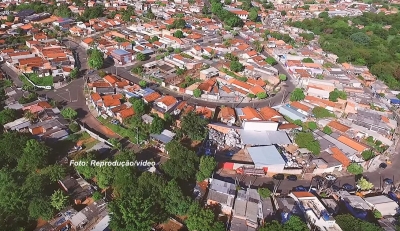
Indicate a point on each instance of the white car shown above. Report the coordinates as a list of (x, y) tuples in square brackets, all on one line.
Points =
[(330, 177)]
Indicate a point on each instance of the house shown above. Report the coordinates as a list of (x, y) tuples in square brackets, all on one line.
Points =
[(247, 209), (121, 57), (77, 188), (385, 205), (125, 113), (270, 114), (292, 113), (352, 143), (267, 158), (151, 97), (248, 113), (166, 103), (164, 138), (227, 115), (315, 212), (223, 194)]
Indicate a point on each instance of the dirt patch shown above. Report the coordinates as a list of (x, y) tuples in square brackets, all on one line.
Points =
[(81, 142), (40, 222)]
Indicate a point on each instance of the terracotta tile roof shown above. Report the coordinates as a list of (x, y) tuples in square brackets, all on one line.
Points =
[(95, 97), (152, 97), (385, 119), (112, 102), (251, 53), (302, 194), (316, 99), (44, 104), (338, 126), (37, 130), (243, 47), (119, 108), (287, 126), (168, 100), (256, 89), (268, 113), (250, 113), (241, 84), (226, 89), (227, 112), (300, 106), (111, 79), (205, 112), (100, 84), (352, 143), (127, 113), (258, 82), (340, 156)]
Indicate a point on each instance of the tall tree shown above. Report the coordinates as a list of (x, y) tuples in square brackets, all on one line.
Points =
[(203, 219), (96, 59), (35, 156), (297, 95), (206, 168), (157, 125), (194, 126), (175, 202), (41, 208), (8, 115), (59, 200), (69, 113)]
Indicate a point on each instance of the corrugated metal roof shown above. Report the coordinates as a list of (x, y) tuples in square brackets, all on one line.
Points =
[(250, 137), (292, 113), (265, 156)]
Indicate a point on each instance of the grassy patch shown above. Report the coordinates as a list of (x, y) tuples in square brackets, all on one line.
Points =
[(124, 132), (41, 81)]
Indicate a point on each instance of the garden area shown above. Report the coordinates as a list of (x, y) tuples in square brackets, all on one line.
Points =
[(40, 81)]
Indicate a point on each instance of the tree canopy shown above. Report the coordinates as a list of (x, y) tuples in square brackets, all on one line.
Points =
[(69, 113), (206, 168), (335, 94), (364, 41), (96, 59), (236, 66), (157, 125), (364, 184), (355, 169), (194, 126), (203, 219), (8, 115), (293, 224), (349, 223), (307, 140), (320, 112), (297, 95)]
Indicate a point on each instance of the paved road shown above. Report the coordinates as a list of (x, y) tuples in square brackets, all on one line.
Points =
[(12, 74)]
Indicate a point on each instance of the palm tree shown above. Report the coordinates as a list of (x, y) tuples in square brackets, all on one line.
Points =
[(30, 116)]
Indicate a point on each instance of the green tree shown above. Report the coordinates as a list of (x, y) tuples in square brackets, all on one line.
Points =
[(283, 13), (140, 57), (54, 172), (251, 96), (307, 60), (327, 130), (8, 115), (355, 169), (282, 77), (323, 15), (105, 175), (10, 18), (333, 96), (253, 14), (361, 38), (182, 164), (180, 71), (306, 7), (154, 39), (349, 223), (139, 106), (293, 224), (258, 46), (320, 112), (69, 113), (176, 202), (197, 93), (312, 125), (178, 34), (307, 140), (264, 192), (97, 196), (194, 126), (367, 155), (377, 214), (87, 170), (227, 2), (59, 200), (236, 66), (271, 61), (261, 95), (35, 155), (142, 83), (206, 168), (74, 73), (96, 59), (40, 208), (157, 125), (202, 219), (74, 127), (115, 143), (297, 95)]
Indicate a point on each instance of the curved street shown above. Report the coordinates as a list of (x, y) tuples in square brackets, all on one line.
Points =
[(72, 96)]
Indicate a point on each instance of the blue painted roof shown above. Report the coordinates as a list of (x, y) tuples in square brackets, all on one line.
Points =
[(120, 52)]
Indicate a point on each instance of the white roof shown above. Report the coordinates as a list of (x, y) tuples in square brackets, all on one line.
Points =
[(265, 156)]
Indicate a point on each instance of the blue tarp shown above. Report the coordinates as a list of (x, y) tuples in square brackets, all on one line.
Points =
[(395, 101), (358, 213)]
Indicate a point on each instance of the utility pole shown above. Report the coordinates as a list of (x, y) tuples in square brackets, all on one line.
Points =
[(137, 135)]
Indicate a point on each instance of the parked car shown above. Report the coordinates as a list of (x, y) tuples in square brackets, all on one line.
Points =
[(383, 165), (330, 177), (300, 188), (278, 176), (291, 177), (348, 187), (388, 181)]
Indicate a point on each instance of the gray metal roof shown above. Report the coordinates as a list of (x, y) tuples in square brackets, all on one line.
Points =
[(120, 52), (250, 137), (378, 200), (223, 187), (327, 141), (165, 137), (291, 113), (265, 156)]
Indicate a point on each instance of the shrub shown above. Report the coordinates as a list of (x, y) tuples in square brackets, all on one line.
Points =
[(355, 169), (74, 127)]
